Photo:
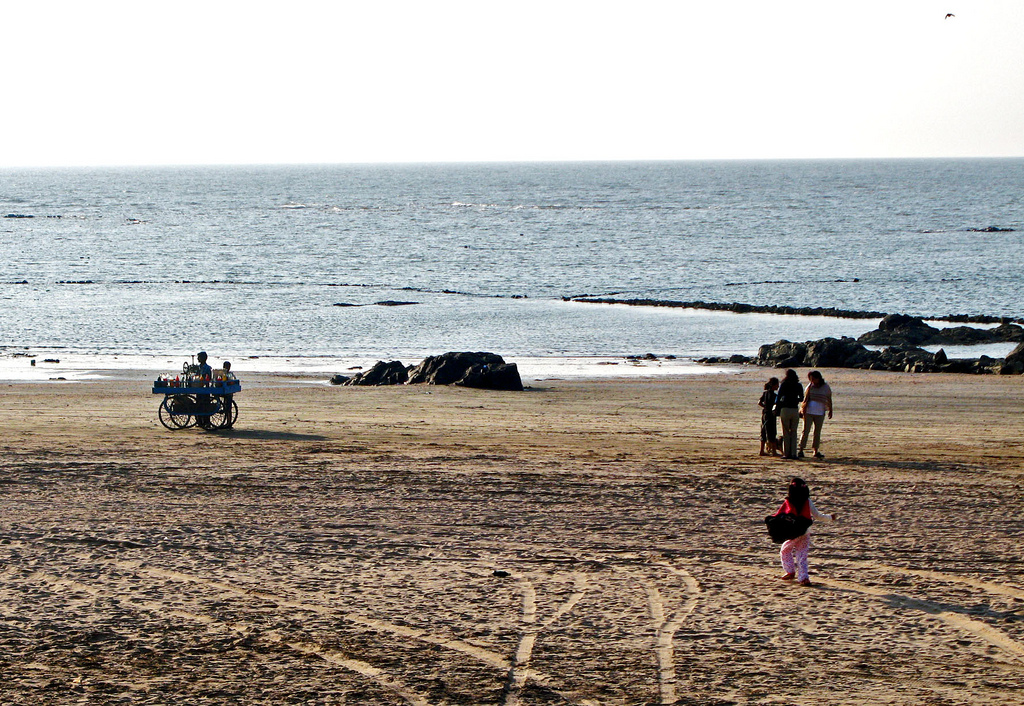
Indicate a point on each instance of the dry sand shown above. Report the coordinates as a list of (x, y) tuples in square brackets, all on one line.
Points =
[(577, 543)]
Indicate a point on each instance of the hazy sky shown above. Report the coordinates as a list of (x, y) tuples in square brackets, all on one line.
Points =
[(213, 82)]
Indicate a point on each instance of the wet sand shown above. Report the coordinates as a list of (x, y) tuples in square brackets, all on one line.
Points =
[(576, 543)]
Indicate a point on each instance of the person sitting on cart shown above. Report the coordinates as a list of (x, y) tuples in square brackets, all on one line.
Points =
[(204, 368), (229, 377)]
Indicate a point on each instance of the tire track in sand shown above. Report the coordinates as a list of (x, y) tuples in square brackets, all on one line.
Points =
[(933, 609), (937, 610), (488, 657), (330, 656), (987, 586), (666, 626), (520, 671), (481, 654)]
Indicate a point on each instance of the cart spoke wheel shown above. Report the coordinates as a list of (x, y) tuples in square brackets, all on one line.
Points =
[(176, 412)]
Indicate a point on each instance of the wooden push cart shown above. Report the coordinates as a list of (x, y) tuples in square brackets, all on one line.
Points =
[(190, 400)]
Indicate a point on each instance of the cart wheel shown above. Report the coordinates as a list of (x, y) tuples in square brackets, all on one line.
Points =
[(175, 412), (219, 414)]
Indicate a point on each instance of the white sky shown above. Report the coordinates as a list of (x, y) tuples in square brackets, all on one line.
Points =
[(215, 82)]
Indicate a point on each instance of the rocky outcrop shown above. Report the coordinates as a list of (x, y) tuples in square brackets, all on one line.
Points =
[(848, 353), (485, 371), (736, 307), (493, 377), (393, 373), (449, 368), (1013, 364), (903, 330), (741, 308)]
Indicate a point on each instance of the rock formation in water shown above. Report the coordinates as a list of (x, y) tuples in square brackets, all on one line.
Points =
[(903, 330)]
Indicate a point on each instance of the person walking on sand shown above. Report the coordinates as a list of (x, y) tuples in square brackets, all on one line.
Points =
[(794, 551), (768, 428), (817, 403), (787, 406)]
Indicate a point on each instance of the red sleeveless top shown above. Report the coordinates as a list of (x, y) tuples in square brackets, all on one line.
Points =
[(787, 508)]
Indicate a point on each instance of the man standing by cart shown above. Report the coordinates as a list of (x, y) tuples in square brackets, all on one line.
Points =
[(205, 370)]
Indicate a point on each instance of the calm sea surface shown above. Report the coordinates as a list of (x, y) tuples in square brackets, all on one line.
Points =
[(252, 261)]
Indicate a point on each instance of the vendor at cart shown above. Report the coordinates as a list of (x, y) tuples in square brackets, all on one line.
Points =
[(205, 370)]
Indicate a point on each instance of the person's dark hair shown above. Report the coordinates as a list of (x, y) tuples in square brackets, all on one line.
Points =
[(798, 494), (226, 365), (201, 357), (816, 377), (772, 382), (791, 375)]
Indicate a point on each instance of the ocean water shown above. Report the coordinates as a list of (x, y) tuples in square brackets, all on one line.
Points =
[(256, 261)]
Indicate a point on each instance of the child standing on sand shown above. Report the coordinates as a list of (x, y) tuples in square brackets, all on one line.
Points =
[(794, 551), (769, 432)]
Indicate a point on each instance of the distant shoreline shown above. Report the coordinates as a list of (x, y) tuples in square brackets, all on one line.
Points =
[(739, 308)]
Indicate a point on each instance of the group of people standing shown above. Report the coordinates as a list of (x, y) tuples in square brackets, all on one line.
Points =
[(789, 401)]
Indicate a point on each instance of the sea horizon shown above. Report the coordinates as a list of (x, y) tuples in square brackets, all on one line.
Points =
[(401, 261)]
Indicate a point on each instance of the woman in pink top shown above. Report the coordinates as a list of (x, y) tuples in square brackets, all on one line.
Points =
[(817, 403)]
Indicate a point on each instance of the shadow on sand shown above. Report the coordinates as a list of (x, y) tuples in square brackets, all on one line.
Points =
[(268, 435)]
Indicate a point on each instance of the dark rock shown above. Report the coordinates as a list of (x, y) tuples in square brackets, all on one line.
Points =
[(1009, 333), (836, 353), (968, 336), (737, 307), (449, 368), (339, 379), (847, 353), (493, 377), (990, 229), (782, 354), (391, 302), (1013, 364), (731, 360), (900, 330), (905, 359), (903, 330), (393, 373)]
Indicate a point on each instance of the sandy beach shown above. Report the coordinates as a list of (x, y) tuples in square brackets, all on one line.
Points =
[(582, 542)]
